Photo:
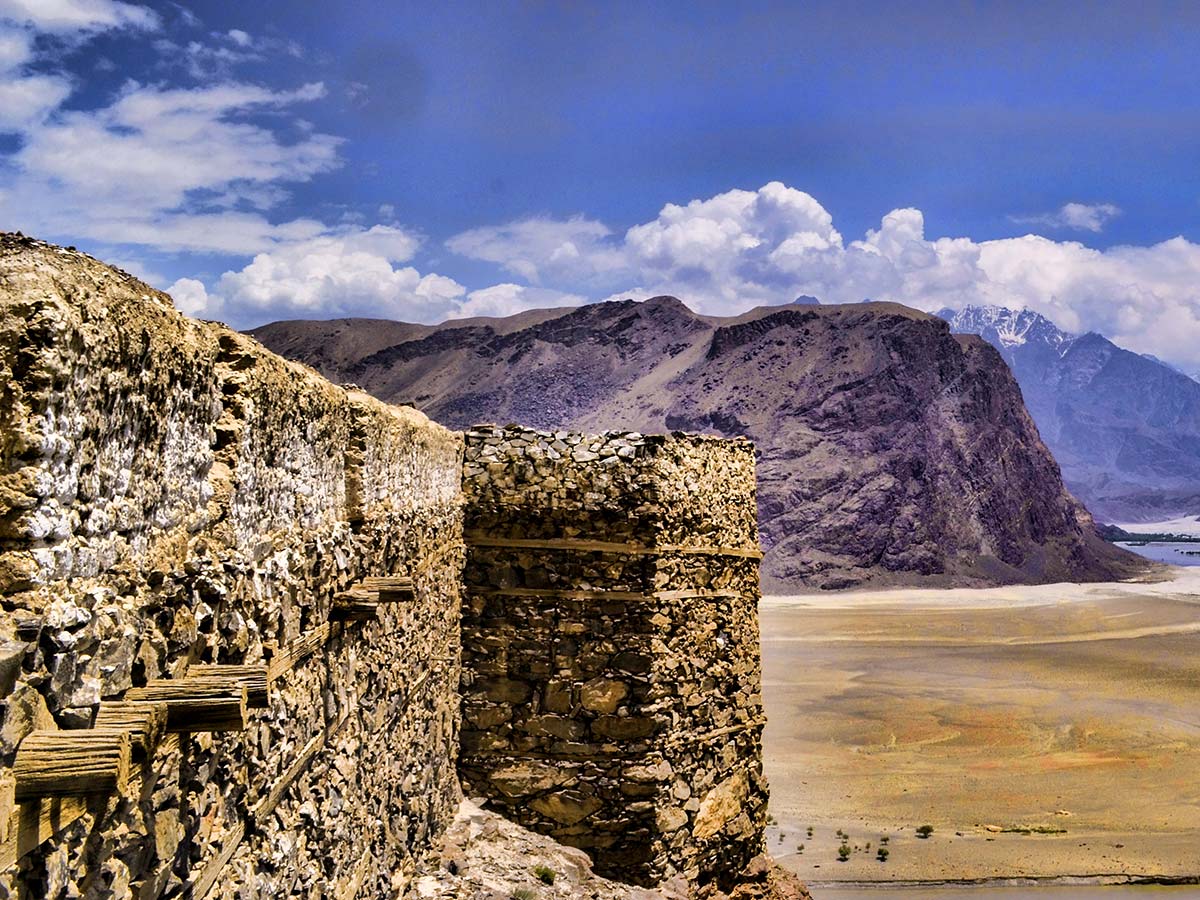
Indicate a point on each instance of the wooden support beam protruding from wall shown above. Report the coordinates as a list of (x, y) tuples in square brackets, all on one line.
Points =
[(354, 606), (197, 702), (390, 588), (255, 678), (72, 763), (145, 722)]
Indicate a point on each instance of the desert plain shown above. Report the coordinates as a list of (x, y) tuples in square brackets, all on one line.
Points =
[(1048, 732)]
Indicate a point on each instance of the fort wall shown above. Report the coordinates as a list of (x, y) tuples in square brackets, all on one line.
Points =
[(240, 626), (175, 497)]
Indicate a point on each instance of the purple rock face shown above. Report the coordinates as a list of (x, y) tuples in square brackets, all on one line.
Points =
[(890, 451)]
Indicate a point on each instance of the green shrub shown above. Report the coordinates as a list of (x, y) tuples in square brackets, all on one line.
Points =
[(545, 874), (843, 853), (882, 854), (524, 894), (924, 831)]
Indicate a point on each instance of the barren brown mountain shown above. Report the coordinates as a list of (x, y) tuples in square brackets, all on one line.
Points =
[(891, 451)]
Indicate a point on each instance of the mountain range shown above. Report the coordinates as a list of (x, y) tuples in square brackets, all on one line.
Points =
[(891, 451), (1124, 427)]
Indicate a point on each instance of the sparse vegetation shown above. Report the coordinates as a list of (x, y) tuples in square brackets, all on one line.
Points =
[(1034, 829), (884, 838), (545, 874), (882, 854), (843, 852), (524, 894), (924, 831)]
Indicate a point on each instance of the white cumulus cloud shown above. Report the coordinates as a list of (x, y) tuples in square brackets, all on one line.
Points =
[(351, 272), (508, 299), (738, 249), (347, 272)]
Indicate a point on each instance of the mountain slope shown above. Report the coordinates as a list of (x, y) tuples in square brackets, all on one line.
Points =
[(1124, 427), (891, 451)]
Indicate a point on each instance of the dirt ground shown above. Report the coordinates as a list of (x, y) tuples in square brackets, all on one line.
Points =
[(1071, 712)]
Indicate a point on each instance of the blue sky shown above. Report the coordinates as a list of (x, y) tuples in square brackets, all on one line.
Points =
[(271, 160)]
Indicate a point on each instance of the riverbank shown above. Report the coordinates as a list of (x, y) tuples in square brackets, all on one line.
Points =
[(1065, 890), (1042, 731)]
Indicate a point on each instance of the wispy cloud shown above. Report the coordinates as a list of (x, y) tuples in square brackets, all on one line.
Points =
[(75, 17), (193, 168), (1075, 216)]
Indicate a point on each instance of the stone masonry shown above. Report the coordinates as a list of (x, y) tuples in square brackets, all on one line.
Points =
[(611, 683), (175, 498), (174, 495)]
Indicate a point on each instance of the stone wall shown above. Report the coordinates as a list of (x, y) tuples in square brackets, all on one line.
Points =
[(611, 682), (172, 495)]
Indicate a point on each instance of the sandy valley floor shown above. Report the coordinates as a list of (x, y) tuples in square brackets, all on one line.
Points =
[(1072, 711)]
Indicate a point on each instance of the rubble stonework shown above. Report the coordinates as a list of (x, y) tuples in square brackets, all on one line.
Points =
[(611, 679), (172, 495)]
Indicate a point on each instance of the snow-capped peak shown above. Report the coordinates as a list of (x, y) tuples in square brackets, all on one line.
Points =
[(1008, 327)]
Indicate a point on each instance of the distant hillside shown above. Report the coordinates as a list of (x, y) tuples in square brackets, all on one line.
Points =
[(891, 451), (1124, 427)]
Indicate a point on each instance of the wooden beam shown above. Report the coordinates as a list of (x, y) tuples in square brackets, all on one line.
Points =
[(145, 722), (197, 703), (280, 785), (203, 881), (354, 606), (256, 679), (390, 588), (590, 594), (482, 539), (72, 763), (286, 658), (36, 821)]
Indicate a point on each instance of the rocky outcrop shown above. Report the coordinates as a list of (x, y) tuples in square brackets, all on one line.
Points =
[(1124, 427), (891, 452), (483, 856)]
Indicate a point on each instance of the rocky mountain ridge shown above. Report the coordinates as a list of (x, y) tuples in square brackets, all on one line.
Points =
[(890, 450), (1124, 427)]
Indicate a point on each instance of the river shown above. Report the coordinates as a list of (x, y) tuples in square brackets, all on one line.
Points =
[(1182, 553)]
